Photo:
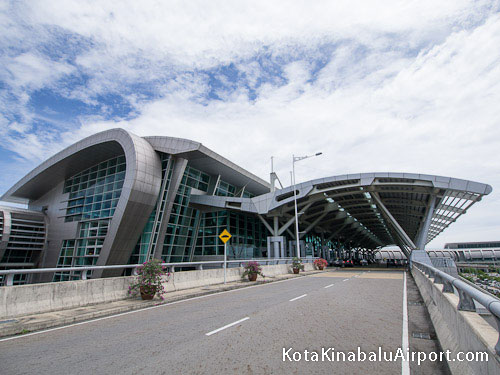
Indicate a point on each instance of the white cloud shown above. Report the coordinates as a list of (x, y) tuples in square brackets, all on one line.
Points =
[(33, 72), (200, 33)]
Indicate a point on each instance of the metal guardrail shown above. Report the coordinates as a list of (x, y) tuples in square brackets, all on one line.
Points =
[(467, 294), (199, 266)]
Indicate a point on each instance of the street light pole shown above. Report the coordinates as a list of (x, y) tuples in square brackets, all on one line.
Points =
[(294, 159), (297, 246)]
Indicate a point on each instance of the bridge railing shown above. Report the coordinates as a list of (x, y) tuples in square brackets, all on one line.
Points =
[(467, 294), (9, 274)]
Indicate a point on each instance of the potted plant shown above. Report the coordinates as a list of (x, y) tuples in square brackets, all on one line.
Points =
[(320, 263), (149, 280), (252, 269), (297, 265)]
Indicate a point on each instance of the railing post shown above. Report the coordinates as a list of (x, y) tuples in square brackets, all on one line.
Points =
[(10, 279), (199, 267), (172, 269), (134, 271), (447, 287), (465, 303), (83, 275), (432, 274), (437, 278), (497, 346)]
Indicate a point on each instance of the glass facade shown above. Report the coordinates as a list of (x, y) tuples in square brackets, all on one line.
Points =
[(178, 243), (314, 244), (93, 197), (192, 233), (94, 193), (84, 250), (212, 224), (225, 189), (249, 236)]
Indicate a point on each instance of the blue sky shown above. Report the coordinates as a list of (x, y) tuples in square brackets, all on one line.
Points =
[(408, 86)]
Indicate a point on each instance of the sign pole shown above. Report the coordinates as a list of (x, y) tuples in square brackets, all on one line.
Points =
[(224, 237), (225, 261)]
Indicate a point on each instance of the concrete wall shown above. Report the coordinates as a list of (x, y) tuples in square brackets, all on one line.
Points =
[(38, 298), (458, 331)]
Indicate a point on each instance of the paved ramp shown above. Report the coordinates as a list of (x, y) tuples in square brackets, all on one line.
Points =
[(244, 331)]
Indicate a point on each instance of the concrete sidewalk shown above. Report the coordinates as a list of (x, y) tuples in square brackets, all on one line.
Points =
[(29, 323)]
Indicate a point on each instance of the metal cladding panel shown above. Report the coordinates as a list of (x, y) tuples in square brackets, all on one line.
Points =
[(456, 184), (366, 181), (138, 198), (442, 179), (411, 176), (478, 188), (206, 160), (355, 176)]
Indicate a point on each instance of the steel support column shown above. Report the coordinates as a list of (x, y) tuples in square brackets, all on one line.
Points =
[(399, 230), (422, 235)]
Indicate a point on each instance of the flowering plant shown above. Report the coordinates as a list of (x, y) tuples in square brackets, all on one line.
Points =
[(149, 279), (297, 263), (252, 268), (320, 262)]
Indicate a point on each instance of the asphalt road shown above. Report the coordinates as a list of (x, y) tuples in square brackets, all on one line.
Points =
[(343, 310)]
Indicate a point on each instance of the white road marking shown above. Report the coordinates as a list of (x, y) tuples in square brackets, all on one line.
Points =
[(148, 308), (296, 298), (345, 279), (328, 286), (405, 365), (226, 326)]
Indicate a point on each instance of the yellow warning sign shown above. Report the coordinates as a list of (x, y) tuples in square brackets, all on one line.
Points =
[(225, 236)]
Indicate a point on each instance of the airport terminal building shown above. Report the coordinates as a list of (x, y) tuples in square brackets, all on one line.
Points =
[(116, 198)]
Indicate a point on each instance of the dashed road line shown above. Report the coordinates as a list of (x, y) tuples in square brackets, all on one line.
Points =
[(296, 298), (226, 326)]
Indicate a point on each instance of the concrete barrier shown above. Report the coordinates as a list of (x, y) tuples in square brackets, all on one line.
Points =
[(38, 298), (458, 331)]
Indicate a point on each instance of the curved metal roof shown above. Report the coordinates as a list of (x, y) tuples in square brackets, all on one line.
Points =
[(370, 209), (391, 208), (113, 142), (203, 158)]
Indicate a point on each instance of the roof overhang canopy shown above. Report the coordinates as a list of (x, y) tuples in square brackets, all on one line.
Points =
[(371, 210)]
